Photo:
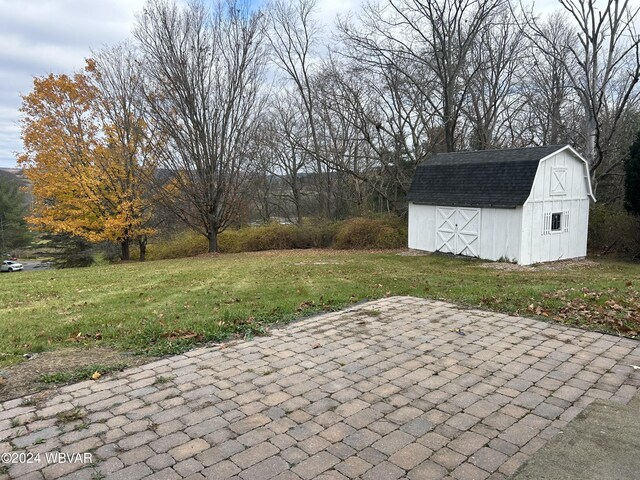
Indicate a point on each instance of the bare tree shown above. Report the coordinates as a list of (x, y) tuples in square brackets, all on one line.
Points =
[(289, 141), (293, 34), (437, 35), (371, 133), (388, 97), (204, 72), (494, 66), (117, 75), (545, 84), (603, 69)]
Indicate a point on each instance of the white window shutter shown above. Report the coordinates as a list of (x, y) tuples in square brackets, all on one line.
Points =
[(546, 229), (565, 220)]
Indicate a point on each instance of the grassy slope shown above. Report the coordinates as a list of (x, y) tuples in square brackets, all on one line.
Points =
[(162, 306)]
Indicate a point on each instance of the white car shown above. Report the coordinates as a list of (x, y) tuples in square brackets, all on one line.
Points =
[(10, 266)]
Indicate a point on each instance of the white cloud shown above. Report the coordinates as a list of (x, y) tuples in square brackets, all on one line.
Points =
[(329, 9), (50, 36)]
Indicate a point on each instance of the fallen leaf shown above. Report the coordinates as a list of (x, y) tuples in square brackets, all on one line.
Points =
[(96, 375)]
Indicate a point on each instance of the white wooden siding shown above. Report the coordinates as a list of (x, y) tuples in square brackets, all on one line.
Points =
[(499, 231), (500, 234), (539, 243), (422, 227)]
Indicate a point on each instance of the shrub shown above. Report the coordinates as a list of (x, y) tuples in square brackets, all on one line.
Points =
[(184, 244), (231, 241), (274, 236), (251, 239), (613, 230), (381, 232), (100, 259)]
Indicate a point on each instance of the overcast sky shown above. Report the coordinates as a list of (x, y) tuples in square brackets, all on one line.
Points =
[(38, 37)]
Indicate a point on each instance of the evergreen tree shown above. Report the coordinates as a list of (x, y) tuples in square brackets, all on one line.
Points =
[(632, 178), (13, 209)]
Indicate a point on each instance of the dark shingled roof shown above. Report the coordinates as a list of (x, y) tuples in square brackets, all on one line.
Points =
[(486, 178)]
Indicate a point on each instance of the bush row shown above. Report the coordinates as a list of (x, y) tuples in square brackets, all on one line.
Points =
[(354, 233)]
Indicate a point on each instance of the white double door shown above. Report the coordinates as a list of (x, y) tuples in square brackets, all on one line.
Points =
[(458, 230)]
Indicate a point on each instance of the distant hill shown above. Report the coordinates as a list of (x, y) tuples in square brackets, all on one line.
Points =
[(11, 174), (17, 175), (14, 173)]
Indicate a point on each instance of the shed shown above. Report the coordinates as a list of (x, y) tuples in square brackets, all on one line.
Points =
[(524, 205)]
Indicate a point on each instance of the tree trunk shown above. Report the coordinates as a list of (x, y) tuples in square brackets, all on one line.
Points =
[(142, 244), (213, 242), (556, 119), (124, 246), (591, 131), (320, 186), (296, 202), (329, 194)]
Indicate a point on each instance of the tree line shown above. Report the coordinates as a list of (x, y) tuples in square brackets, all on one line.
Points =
[(216, 114)]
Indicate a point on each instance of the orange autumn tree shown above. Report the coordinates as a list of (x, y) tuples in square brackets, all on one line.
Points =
[(86, 178)]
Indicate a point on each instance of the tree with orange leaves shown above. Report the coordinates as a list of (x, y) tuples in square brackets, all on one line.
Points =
[(85, 152)]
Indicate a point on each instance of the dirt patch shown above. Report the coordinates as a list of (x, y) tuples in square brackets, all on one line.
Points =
[(25, 378), (541, 267)]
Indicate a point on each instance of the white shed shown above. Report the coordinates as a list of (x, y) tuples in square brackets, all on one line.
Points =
[(524, 205)]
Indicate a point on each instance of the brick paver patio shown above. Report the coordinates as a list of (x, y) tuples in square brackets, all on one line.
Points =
[(396, 388)]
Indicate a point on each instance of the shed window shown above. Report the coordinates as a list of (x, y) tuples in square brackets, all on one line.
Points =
[(556, 222)]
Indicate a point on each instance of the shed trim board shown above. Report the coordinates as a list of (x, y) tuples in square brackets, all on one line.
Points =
[(547, 221)]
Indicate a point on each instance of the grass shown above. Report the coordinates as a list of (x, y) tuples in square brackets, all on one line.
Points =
[(161, 380), (71, 415), (165, 307)]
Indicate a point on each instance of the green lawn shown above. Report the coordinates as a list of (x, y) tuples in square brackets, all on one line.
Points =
[(164, 306)]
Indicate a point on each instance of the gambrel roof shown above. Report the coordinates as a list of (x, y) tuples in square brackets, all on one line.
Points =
[(485, 178)]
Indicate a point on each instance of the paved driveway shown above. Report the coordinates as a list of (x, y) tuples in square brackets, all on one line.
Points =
[(396, 388)]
